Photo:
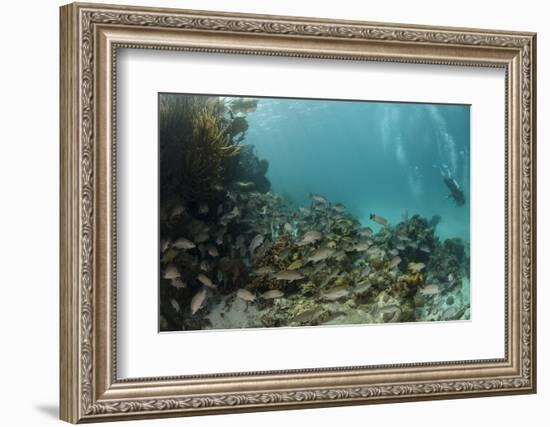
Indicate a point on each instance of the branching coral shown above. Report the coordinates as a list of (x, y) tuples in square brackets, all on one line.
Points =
[(209, 146), (195, 144)]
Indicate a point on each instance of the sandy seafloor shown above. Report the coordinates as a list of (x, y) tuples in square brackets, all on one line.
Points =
[(232, 313)]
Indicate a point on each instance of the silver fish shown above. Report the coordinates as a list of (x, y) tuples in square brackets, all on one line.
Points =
[(307, 315), (393, 252), (295, 265), (309, 237), (394, 262), (400, 246), (339, 255), (175, 305), (212, 250), (198, 300), (415, 267), (317, 198), (244, 185), (425, 248), (183, 243), (178, 283), (339, 207), (329, 278), (232, 196), (206, 281), (379, 220), (201, 237), (362, 287), (390, 313), (361, 246), (272, 294), (226, 218), (430, 290), (366, 232), (204, 266), (287, 227), (256, 241), (263, 271), (289, 276), (335, 294), (450, 314), (164, 244), (321, 254), (245, 295), (169, 256), (205, 228), (178, 210), (374, 251), (171, 272)]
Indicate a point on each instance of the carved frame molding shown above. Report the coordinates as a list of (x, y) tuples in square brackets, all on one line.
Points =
[(90, 36)]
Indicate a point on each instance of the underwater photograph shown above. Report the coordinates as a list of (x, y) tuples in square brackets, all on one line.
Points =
[(286, 212)]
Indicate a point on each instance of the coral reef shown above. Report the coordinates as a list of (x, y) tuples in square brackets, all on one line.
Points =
[(311, 266), (205, 153), (246, 167)]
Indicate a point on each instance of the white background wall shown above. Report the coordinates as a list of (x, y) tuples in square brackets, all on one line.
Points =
[(29, 170)]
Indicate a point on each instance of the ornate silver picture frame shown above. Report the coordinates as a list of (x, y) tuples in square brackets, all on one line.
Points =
[(92, 35)]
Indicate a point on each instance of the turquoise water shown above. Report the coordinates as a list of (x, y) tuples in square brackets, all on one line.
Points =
[(374, 157)]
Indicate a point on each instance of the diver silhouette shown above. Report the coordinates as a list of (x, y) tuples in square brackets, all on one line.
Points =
[(455, 192)]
